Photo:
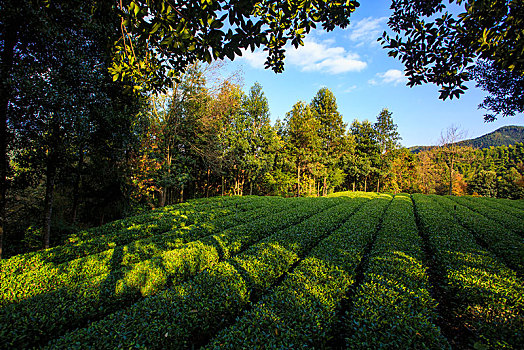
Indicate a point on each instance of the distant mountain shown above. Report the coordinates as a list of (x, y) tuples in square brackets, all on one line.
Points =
[(504, 136)]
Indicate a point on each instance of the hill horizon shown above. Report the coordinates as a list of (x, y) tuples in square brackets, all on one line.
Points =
[(503, 136)]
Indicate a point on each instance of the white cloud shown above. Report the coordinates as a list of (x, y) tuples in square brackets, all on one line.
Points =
[(255, 59), (350, 89), (367, 30), (391, 76), (314, 56)]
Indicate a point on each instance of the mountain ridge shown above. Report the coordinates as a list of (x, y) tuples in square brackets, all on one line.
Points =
[(503, 136)]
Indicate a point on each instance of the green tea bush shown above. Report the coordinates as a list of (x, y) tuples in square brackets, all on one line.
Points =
[(77, 304), (50, 277), (505, 243), (191, 312), (395, 284), (498, 215), (488, 294), (301, 313)]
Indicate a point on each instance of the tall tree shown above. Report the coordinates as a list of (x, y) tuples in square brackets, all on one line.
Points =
[(367, 150), (261, 137), (54, 70), (388, 139), (331, 132), (173, 138), (302, 138), (450, 151)]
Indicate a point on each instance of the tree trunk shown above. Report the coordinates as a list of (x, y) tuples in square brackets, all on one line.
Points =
[(451, 178), (378, 184), (241, 185), (9, 37), (76, 186), (49, 195), (298, 181), (162, 199), (365, 184), (208, 184), (353, 186), (324, 189)]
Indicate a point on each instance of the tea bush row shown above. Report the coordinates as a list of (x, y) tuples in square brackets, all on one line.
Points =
[(503, 242), (170, 218), (28, 322), (187, 314), (22, 286), (393, 308), (487, 295), (301, 313)]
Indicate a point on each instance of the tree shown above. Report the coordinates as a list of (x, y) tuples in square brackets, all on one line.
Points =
[(367, 150), (505, 89), (331, 133), (450, 150), (55, 87), (438, 47), (404, 172), (161, 38), (262, 138), (387, 134), (302, 138), (388, 139), (484, 183)]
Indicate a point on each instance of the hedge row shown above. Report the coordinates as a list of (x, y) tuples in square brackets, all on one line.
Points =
[(499, 215), (502, 205), (144, 218), (488, 295), (66, 275), (202, 204), (301, 312), (169, 220), (393, 307), (514, 203), (51, 314), (503, 242), (187, 314)]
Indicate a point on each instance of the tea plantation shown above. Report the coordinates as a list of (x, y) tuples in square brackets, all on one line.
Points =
[(354, 270)]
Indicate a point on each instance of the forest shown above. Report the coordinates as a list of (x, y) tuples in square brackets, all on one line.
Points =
[(108, 109), (204, 139)]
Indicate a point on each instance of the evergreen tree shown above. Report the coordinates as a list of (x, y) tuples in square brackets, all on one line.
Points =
[(302, 139), (331, 132), (367, 150), (261, 137), (388, 139)]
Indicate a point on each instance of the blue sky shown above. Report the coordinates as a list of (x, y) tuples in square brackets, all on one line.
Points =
[(364, 80)]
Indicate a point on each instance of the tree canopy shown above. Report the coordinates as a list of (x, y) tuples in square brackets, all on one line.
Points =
[(161, 38), (439, 47)]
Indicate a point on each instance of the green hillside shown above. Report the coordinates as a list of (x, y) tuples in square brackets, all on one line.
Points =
[(504, 136), (270, 272)]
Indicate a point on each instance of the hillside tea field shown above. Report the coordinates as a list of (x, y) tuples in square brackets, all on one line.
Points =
[(354, 270)]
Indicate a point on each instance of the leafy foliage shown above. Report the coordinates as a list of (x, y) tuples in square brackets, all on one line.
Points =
[(439, 47), (161, 38)]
